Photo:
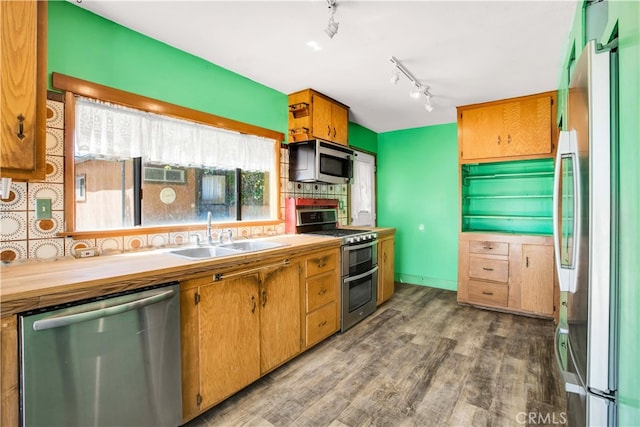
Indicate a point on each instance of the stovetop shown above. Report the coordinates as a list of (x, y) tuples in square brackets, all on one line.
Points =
[(338, 232)]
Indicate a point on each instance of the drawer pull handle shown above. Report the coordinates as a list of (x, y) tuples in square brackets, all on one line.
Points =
[(487, 269), (321, 264), (253, 301), (321, 324), (322, 292), (487, 293), (489, 248)]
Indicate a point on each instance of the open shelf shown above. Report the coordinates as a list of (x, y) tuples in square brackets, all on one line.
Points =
[(511, 197)]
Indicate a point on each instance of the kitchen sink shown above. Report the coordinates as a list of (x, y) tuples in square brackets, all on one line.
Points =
[(233, 248), (251, 245), (202, 252)]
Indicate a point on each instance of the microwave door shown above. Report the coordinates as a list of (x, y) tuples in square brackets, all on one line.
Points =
[(566, 213)]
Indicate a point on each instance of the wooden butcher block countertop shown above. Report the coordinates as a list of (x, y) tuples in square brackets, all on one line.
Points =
[(34, 285)]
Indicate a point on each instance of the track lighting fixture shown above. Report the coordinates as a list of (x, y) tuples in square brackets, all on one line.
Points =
[(332, 26), (417, 88)]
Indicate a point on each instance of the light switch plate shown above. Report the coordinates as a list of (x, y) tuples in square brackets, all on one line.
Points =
[(43, 208)]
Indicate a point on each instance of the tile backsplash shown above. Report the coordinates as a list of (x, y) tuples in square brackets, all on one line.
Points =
[(22, 236)]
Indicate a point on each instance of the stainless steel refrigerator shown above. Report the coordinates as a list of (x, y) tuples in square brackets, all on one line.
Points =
[(584, 232)]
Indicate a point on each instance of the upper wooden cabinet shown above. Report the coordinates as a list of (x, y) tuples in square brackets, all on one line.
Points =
[(314, 115), (23, 68), (513, 128)]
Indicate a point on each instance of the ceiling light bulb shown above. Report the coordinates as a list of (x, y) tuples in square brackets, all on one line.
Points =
[(415, 91)]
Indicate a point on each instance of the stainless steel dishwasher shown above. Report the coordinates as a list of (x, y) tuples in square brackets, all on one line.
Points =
[(108, 362)]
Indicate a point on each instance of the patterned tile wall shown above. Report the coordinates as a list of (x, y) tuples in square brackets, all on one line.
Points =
[(21, 234), (310, 190), (24, 237)]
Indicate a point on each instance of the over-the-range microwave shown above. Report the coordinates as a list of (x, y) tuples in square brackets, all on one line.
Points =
[(320, 161)]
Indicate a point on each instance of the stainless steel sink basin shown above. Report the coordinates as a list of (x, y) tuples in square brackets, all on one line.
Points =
[(251, 245), (202, 252)]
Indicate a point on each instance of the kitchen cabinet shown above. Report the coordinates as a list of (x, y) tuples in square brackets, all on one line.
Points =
[(322, 296), (386, 265), (9, 364), (314, 115), (507, 272), (236, 327), (23, 59), (513, 128)]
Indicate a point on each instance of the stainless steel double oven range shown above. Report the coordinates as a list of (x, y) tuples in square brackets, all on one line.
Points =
[(359, 254)]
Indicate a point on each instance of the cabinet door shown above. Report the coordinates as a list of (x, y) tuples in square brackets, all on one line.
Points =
[(229, 318), (527, 127), (482, 132), (322, 118), (190, 344), (279, 315), (537, 279), (340, 124), (23, 88), (386, 265)]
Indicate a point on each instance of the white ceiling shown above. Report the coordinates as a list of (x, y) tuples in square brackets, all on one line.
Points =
[(466, 51)]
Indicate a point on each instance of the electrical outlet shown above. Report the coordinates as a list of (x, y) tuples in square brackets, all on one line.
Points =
[(43, 208)]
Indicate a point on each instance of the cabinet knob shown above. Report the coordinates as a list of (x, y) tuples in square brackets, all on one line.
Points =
[(21, 134), (321, 324), (498, 140), (253, 300), (264, 297), (322, 292)]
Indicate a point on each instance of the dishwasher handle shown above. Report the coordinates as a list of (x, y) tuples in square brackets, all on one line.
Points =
[(59, 321)]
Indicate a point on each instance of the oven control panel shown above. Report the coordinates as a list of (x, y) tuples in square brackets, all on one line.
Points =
[(361, 238)]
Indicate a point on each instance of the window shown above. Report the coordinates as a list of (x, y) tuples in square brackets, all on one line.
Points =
[(145, 169)]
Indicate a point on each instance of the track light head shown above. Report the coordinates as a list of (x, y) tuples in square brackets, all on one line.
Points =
[(395, 76), (427, 104), (332, 26), (415, 91)]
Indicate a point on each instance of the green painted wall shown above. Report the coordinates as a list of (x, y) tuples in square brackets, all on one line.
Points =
[(623, 16), (84, 45), (363, 138), (418, 194)]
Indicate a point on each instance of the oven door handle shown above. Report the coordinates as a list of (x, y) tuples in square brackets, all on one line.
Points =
[(362, 246), (360, 276)]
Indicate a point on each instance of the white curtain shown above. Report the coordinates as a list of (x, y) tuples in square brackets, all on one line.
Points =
[(105, 130)]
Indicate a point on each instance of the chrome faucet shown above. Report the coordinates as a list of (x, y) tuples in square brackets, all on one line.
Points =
[(209, 239), (227, 232)]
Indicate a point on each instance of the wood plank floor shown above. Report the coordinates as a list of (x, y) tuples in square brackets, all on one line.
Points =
[(420, 360)]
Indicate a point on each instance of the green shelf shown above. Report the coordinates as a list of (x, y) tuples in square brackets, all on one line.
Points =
[(511, 197)]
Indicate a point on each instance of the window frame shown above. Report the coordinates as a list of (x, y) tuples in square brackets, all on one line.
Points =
[(72, 87)]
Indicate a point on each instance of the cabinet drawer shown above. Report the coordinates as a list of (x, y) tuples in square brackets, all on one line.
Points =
[(321, 323), (488, 293), (320, 290), (488, 247), (485, 268), (321, 263)]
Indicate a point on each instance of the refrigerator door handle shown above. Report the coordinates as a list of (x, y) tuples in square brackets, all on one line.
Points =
[(567, 148), (571, 381)]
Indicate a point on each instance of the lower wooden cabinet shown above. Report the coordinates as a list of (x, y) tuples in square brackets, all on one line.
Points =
[(239, 325), (9, 387), (508, 272), (236, 327), (322, 296), (386, 266)]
